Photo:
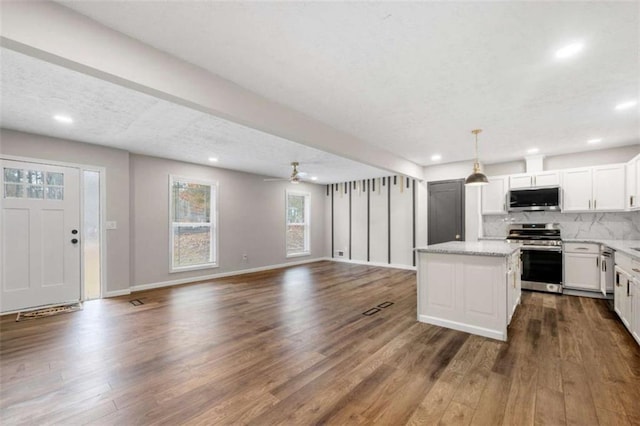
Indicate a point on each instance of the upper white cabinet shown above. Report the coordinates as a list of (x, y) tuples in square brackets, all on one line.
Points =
[(494, 195), (577, 189), (633, 184), (600, 188), (530, 180)]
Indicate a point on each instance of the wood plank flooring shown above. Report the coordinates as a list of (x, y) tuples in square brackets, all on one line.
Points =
[(291, 346)]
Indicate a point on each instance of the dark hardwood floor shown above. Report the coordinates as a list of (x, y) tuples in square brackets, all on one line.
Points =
[(292, 347)]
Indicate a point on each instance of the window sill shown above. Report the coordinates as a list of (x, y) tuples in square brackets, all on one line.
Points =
[(306, 253), (193, 268)]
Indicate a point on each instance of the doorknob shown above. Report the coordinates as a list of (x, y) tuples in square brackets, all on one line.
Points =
[(74, 241), (74, 231), (457, 236)]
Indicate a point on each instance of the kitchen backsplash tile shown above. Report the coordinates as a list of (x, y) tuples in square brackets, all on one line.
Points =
[(615, 226)]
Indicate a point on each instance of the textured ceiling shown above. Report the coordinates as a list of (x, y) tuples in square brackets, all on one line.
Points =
[(415, 77), (108, 114)]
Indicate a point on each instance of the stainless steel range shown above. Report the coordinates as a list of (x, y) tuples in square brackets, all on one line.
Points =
[(541, 255)]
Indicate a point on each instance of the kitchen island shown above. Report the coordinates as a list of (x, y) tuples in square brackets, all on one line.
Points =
[(469, 286)]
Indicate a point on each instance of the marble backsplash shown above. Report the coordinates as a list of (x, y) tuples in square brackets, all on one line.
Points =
[(614, 226)]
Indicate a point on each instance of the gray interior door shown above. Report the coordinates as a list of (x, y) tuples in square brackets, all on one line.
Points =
[(446, 211)]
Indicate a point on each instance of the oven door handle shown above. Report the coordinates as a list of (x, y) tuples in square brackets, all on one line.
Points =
[(531, 248)]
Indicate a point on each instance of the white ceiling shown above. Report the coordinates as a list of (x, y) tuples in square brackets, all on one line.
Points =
[(415, 77), (108, 114)]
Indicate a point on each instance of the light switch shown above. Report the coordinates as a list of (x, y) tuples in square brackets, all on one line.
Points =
[(112, 224)]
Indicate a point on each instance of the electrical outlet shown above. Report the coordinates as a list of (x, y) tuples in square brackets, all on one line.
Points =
[(340, 253), (112, 224), (245, 257)]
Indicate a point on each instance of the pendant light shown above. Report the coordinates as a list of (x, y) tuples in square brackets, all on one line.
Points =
[(476, 178)]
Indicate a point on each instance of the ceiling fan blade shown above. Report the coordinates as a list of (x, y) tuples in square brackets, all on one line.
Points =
[(276, 180)]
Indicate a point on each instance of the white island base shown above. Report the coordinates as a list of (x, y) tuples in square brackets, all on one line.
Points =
[(477, 293)]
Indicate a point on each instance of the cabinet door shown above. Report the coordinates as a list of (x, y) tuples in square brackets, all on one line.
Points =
[(577, 188), (635, 309), (619, 292), (520, 181), (609, 187), (582, 271), (632, 185), (546, 179), (494, 196)]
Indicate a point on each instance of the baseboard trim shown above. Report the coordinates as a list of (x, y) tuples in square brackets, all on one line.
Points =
[(382, 265), (116, 293), (151, 286), (485, 332)]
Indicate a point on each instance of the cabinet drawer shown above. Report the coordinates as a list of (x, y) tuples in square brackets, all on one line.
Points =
[(581, 248)]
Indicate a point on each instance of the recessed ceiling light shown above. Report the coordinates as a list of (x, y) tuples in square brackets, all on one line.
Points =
[(314, 178), (213, 159), (569, 50), (436, 157), (533, 151), (594, 141), (63, 119), (626, 105)]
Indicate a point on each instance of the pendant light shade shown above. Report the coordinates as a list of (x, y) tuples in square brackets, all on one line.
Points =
[(476, 178)]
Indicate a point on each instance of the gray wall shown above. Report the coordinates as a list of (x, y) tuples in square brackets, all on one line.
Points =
[(251, 211), (251, 219), (116, 163)]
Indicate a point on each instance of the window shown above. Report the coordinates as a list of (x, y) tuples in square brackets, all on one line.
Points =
[(193, 219), (298, 209)]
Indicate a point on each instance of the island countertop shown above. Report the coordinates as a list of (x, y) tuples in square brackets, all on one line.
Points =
[(474, 248)]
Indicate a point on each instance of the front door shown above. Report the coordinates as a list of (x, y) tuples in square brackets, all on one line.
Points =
[(40, 248), (446, 211)]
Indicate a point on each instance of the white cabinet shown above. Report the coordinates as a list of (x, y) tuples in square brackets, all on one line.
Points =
[(529, 180), (634, 290), (599, 188), (633, 184), (626, 295), (609, 187), (494, 196), (514, 285), (470, 293), (576, 190), (621, 298), (582, 266), (582, 271)]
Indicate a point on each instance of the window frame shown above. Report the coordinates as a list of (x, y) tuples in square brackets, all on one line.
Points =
[(307, 223), (213, 215)]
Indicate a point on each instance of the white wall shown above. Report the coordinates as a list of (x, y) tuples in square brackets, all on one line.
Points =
[(383, 203), (251, 219), (116, 163), (569, 161)]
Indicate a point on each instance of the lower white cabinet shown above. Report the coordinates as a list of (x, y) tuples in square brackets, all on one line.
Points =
[(582, 271), (514, 285), (634, 287), (621, 296)]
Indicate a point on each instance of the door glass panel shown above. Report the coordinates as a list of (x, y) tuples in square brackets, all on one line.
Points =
[(11, 190), (55, 178), (91, 234), (13, 175), (54, 193), (35, 191), (35, 177)]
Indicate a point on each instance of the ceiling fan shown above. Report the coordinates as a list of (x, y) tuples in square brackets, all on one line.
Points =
[(295, 175)]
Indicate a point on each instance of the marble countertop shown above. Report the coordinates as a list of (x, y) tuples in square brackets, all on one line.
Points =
[(623, 246), (475, 248)]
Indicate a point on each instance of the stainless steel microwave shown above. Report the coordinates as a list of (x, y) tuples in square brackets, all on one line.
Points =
[(535, 199)]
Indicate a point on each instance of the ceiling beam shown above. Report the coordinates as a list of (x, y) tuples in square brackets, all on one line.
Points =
[(54, 33)]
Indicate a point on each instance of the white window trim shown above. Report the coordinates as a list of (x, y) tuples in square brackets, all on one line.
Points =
[(307, 214), (214, 224)]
